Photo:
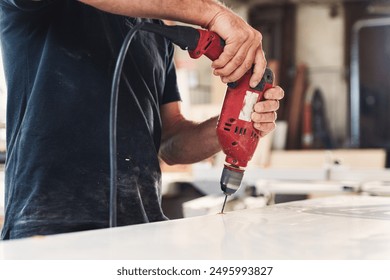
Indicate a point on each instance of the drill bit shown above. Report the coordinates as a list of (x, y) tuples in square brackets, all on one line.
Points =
[(223, 207)]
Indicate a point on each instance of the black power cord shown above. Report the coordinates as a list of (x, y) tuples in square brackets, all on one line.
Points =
[(186, 38), (113, 122)]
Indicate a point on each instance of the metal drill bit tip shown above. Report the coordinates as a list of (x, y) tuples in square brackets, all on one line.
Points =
[(224, 203)]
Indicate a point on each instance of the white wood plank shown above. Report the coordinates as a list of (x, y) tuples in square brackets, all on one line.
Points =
[(343, 227)]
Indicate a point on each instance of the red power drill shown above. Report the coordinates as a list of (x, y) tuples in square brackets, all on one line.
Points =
[(236, 134)]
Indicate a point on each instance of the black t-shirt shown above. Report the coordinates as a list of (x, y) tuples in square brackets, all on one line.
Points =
[(59, 58)]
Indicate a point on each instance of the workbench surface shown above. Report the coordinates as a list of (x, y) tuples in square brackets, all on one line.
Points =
[(341, 228)]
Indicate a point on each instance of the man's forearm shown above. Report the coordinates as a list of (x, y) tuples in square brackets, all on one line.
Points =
[(242, 49), (199, 12), (193, 143)]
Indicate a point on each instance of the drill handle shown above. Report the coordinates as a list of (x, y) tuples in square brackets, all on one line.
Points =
[(209, 44), (198, 42)]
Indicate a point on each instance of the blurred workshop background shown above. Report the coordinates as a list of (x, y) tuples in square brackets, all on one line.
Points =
[(333, 132)]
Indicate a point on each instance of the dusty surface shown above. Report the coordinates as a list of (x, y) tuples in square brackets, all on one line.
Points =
[(333, 228)]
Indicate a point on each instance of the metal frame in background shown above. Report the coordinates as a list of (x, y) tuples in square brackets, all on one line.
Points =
[(355, 76)]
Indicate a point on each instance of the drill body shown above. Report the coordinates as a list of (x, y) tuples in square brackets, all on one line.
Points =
[(236, 134)]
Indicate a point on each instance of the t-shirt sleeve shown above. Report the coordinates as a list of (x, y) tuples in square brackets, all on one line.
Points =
[(27, 5), (171, 90)]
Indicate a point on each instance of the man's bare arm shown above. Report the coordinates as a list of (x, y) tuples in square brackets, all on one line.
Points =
[(185, 142), (243, 43), (199, 12)]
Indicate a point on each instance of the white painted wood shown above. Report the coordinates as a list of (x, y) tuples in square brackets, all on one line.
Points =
[(343, 227)]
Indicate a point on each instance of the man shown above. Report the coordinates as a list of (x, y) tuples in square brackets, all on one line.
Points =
[(59, 57)]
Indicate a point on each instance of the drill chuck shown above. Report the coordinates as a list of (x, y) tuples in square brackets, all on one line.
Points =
[(231, 180)]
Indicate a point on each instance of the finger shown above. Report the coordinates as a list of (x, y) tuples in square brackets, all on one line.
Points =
[(276, 93), (266, 106), (234, 45), (237, 67), (260, 64), (228, 53), (263, 117), (265, 128), (238, 56)]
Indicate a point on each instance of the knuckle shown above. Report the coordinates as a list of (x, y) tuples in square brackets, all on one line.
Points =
[(255, 117), (266, 127), (246, 34), (228, 53), (233, 77), (259, 107), (257, 126), (276, 104), (236, 63), (247, 65), (281, 92), (259, 36), (263, 57), (262, 127), (264, 119), (268, 105), (239, 59), (272, 116)]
